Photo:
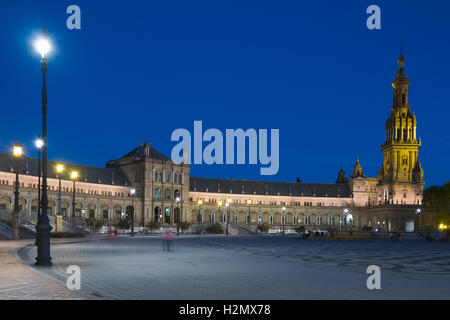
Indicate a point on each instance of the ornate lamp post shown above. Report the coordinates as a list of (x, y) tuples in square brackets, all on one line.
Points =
[(43, 226), (17, 151), (74, 177), (345, 219), (132, 193), (199, 203), (283, 218), (228, 204), (177, 200), (59, 170), (38, 143), (249, 203)]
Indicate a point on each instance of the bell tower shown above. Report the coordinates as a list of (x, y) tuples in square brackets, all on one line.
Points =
[(401, 164)]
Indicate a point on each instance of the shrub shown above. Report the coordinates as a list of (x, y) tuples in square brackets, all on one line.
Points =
[(123, 224), (263, 227), (215, 228), (152, 225), (184, 225), (366, 228), (300, 229)]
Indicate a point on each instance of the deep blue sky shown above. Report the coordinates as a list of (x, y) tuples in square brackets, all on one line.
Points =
[(140, 69)]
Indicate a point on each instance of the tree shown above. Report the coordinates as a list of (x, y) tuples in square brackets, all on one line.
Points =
[(263, 227), (184, 225), (439, 199), (152, 225), (215, 228), (123, 224)]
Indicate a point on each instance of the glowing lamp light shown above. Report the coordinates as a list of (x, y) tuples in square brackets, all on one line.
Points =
[(17, 150), (39, 143), (132, 191), (42, 46), (177, 199), (229, 200), (74, 175), (59, 168), (227, 204), (199, 202), (219, 203), (249, 201)]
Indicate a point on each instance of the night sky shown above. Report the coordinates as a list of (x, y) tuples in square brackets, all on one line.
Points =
[(137, 70)]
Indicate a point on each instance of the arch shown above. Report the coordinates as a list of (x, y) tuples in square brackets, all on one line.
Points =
[(177, 215), (265, 217), (51, 207), (289, 218), (117, 209), (22, 203), (91, 210), (167, 213), (5, 203), (104, 209), (157, 214), (167, 193), (177, 194), (130, 212), (64, 208)]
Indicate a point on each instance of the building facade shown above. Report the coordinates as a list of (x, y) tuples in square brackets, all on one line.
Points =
[(165, 191)]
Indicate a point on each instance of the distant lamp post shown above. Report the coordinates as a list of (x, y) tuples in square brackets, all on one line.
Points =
[(344, 219), (228, 204), (17, 151), (199, 203), (74, 177), (249, 203), (43, 234), (59, 171), (283, 218), (177, 200), (132, 193)]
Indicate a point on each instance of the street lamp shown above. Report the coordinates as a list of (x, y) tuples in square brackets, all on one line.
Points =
[(199, 203), (59, 170), (177, 200), (228, 214), (38, 143), (283, 218), (345, 219), (249, 203), (74, 177), (43, 235), (132, 193), (17, 151)]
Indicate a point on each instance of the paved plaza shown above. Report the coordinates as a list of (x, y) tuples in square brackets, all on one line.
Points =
[(249, 267)]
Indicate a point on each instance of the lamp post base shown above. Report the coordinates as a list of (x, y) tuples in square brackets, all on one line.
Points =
[(43, 242)]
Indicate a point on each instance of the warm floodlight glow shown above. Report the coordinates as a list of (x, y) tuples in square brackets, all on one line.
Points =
[(17, 150), (284, 208), (229, 200), (132, 191), (74, 175), (199, 202), (220, 203), (39, 143), (249, 201), (59, 168), (42, 46), (227, 204)]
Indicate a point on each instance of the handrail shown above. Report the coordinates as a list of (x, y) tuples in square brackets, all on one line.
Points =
[(6, 230)]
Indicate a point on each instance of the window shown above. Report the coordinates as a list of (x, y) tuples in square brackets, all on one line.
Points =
[(157, 194), (105, 214), (167, 177), (167, 193), (259, 219), (235, 218), (271, 219), (211, 217), (155, 175), (307, 220)]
